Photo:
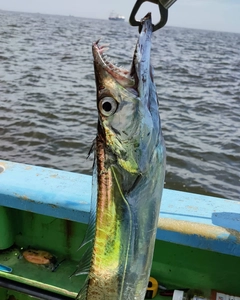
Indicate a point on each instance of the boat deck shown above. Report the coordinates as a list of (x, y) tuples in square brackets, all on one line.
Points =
[(49, 209)]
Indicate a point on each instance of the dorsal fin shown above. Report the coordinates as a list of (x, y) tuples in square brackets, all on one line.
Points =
[(85, 261), (82, 295), (90, 232)]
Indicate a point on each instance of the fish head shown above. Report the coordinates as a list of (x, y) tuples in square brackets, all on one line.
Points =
[(127, 105)]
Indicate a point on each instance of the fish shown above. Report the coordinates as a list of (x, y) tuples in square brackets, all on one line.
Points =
[(128, 177)]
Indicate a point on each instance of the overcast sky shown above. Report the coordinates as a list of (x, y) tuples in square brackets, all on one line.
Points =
[(220, 15)]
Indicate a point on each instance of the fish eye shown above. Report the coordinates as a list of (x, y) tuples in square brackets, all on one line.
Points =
[(107, 106)]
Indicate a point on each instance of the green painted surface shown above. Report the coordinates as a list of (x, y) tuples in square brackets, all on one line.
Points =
[(187, 267), (174, 265), (6, 228)]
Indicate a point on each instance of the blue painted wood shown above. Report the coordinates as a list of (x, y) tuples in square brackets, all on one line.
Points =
[(188, 219)]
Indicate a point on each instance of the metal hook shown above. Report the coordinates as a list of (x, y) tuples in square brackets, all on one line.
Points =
[(163, 14)]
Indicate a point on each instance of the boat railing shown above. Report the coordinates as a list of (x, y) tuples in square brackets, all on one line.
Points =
[(188, 219)]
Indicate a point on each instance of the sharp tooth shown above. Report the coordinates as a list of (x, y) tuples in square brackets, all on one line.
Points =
[(104, 45), (103, 48), (105, 58)]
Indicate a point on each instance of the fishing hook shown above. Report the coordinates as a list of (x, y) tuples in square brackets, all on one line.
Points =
[(163, 14), (163, 6)]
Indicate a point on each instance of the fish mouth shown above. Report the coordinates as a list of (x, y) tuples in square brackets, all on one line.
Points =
[(140, 66), (101, 61)]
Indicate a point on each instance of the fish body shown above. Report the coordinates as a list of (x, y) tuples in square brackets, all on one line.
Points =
[(128, 177)]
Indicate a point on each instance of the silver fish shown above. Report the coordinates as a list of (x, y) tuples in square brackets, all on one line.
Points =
[(128, 177)]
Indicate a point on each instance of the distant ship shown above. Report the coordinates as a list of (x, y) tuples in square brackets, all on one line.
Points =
[(116, 17)]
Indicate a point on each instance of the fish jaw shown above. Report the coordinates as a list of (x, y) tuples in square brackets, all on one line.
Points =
[(116, 102), (127, 95), (104, 68)]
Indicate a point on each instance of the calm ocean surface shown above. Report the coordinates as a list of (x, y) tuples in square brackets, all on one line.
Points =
[(48, 114)]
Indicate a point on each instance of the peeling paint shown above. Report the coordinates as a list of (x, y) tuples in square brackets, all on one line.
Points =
[(24, 197), (2, 169), (193, 207), (28, 168), (193, 228), (69, 232), (53, 205), (4, 165), (54, 175)]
